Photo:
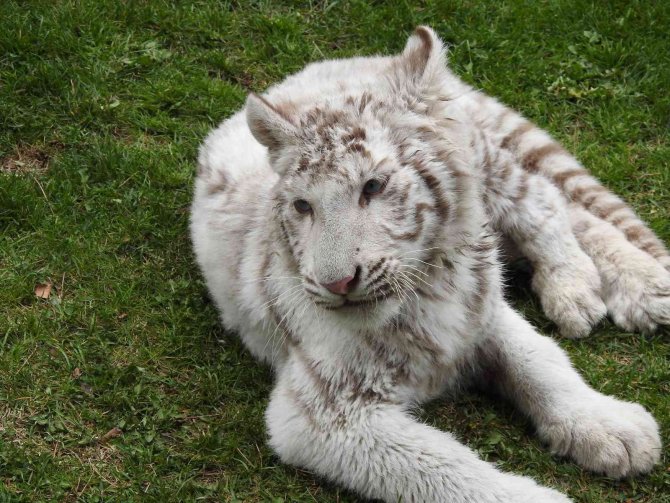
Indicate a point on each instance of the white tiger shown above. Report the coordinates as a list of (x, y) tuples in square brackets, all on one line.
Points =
[(344, 222)]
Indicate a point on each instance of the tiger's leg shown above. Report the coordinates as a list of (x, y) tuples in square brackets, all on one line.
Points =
[(636, 288), (538, 153), (375, 447), (599, 432), (533, 213), (632, 261)]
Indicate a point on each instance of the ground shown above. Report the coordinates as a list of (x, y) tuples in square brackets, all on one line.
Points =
[(116, 382)]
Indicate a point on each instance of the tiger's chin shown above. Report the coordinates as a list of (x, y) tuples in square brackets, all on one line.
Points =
[(366, 313)]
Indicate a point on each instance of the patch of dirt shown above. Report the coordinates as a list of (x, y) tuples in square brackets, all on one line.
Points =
[(28, 159), (15, 420)]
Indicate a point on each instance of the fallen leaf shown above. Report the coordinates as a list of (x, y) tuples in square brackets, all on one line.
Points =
[(76, 373), (122, 316), (43, 290), (113, 433)]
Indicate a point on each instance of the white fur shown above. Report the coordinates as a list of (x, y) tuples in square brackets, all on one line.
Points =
[(346, 378)]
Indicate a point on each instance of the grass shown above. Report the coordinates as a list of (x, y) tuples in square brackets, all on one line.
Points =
[(102, 107)]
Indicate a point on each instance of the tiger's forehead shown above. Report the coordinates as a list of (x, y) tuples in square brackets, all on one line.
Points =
[(341, 144)]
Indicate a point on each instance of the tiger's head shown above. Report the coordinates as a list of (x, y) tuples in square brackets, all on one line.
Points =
[(372, 187)]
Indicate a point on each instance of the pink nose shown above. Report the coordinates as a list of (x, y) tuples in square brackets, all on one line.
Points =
[(342, 286)]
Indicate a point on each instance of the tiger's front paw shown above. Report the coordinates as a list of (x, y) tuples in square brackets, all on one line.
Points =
[(605, 435), (570, 296)]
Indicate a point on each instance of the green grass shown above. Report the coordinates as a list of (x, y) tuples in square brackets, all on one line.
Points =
[(102, 107)]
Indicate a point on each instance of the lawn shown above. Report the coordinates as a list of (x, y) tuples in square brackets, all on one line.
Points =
[(119, 384)]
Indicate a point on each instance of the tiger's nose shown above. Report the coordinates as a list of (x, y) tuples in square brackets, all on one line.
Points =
[(342, 286)]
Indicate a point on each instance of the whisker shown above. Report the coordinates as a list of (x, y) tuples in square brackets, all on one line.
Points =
[(285, 332), (395, 287), (316, 311), (417, 277), (425, 263), (408, 283), (281, 341), (417, 251), (414, 268), (281, 294), (405, 291)]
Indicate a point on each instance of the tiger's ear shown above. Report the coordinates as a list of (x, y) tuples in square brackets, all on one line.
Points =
[(270, 125), (423, 62)]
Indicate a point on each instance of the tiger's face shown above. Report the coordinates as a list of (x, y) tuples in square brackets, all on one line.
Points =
[(359, 206)]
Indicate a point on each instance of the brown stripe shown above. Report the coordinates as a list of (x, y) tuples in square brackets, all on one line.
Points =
[(376, 266), (606, 211), (359, 148), (304, 408), (287, 237), (618, 221), (511, 141), (654, 249), (436, 189), (522, 188), (324, 387), (634, 232), (578, 193), (486, 161), (484, 247), (418, 219), (506, 170), (581, 227), (365, 99), (533, 158), (425, 341), (216, 187), (402, 200), (203, 169), (377, 281), (358, 134), (590, 198), (561, 178), (426, 133)]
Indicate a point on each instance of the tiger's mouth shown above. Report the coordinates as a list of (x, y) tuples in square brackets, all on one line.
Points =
[(363, 303), (347, 303)]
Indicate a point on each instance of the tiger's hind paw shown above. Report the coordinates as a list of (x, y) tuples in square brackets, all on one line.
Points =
[(638, 297)]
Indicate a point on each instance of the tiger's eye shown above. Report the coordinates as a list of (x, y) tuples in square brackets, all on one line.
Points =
[(372, 187), (302, 206)]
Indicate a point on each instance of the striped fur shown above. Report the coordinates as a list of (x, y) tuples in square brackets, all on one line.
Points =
[(281, 210), (532, 181)]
